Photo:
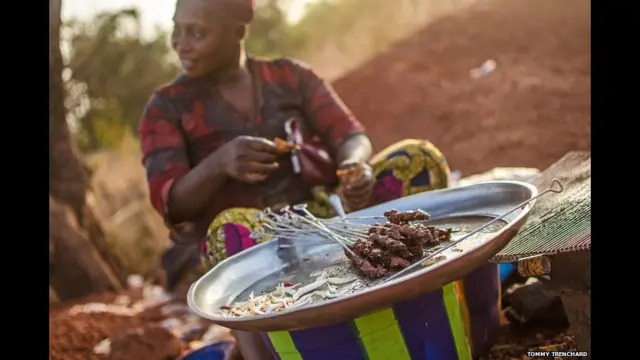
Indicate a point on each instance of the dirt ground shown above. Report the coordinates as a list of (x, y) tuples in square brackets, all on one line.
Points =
[(75, 336), (530, 111), (514, 343), (74, 333)]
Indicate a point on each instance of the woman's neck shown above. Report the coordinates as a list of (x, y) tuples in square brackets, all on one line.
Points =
[(235, 71)]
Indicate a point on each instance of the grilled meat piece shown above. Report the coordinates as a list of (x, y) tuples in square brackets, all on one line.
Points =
[(380, 257), (394, 246), (404, 217), (416, 251), (398, 263), (366, 268)]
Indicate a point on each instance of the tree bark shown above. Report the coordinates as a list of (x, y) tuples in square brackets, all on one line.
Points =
[(68, 185), (77, 269)]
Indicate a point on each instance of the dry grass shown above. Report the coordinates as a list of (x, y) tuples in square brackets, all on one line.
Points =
[(120, 200)]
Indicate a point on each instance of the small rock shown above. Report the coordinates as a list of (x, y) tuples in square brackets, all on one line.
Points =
[(485, 69), (150, 342), (154, 295), (135, 281), (103, 347), (535, 303)]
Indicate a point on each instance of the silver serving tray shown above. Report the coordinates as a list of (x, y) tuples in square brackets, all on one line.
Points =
[(261, 265)]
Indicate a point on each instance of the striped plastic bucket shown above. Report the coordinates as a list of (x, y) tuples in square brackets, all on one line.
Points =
[(457, 322)]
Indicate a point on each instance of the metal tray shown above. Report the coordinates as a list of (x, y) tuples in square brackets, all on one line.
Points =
[(261, 266)]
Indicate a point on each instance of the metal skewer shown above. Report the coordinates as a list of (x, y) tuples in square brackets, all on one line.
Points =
[(477, 230), (342, 241), (289, 224)]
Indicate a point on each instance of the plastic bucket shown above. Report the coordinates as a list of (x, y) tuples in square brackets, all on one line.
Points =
[(457, 322), (506, 270)]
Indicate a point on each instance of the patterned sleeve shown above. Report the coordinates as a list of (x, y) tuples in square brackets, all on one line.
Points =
[(328, 116), (163, 151)]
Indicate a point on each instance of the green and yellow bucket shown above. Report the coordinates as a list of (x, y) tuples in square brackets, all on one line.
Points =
[(456, 322)]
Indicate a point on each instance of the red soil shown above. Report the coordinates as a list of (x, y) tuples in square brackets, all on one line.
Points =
[(529, 112)]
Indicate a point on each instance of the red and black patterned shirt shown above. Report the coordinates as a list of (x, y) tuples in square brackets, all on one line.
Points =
[(188, 119)]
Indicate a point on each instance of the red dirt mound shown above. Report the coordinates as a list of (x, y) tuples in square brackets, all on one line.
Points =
[(530, 111), (74, 335)]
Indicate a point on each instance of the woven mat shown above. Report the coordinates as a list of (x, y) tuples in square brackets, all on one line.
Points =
[(561, 222)]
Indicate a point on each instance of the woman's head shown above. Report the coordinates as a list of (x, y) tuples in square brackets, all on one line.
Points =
[(208, 34)]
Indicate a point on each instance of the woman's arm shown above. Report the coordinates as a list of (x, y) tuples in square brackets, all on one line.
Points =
[(245, 158), (330, 118), (179, 193), (192, 194)]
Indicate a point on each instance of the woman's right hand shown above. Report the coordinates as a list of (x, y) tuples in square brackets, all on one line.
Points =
[(247, 158)]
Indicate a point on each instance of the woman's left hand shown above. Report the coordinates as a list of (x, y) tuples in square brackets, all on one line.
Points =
[(357, 192)]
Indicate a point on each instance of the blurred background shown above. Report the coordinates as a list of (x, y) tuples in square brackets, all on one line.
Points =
[(490, 82)]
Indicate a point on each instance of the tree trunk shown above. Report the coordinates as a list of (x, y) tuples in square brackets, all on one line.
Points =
[(68, 185), (68, 179), (77, 269)]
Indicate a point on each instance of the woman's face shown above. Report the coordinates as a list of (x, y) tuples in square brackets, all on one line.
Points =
[(202, 41)]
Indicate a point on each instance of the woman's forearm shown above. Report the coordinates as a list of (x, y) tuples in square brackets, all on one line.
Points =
[(191, 195), (356, 149)]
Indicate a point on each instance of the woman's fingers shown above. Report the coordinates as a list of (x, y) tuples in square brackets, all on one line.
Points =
[(360, 198), (359, 193), (254, 177), (359, 186), (357, 204), (261, 168), (259, 156), (262, 145)]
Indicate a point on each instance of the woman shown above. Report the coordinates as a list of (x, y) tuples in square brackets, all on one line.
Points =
[(208, 137)]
